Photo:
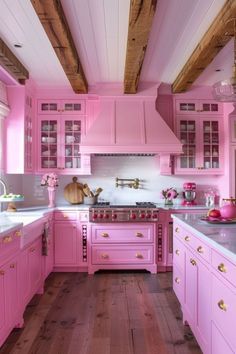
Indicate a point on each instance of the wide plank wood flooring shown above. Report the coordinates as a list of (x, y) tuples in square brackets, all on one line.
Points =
[(106, 313)]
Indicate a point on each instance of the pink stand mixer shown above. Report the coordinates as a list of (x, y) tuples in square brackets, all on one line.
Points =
[(189, 193)]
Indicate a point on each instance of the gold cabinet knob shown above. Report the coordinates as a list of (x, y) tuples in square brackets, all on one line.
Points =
[(193, 262), (2, 272), (18, 233), (105, 234), (104, 256), (177, 230), (7, 239), (177, 280), (139, 234), (65, 216), (221, 304), (222, 268), (200, 249), (187, 238), (139, 256), (177, 252)]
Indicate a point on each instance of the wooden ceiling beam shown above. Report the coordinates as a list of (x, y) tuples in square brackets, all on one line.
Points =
[(52, 17), (140, 21), (11, 64), (216, 37)]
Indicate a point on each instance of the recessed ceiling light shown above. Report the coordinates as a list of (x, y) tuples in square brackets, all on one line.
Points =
[(18, 45)]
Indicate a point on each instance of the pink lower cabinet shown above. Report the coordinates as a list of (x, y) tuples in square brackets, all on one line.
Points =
[(123, 246), (48, 248), (9, 299), (65, 244)]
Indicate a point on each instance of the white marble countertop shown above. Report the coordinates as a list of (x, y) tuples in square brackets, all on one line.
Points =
[(221, 236)]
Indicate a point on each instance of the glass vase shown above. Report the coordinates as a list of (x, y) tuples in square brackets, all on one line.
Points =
[(168, 202), (51, 197)]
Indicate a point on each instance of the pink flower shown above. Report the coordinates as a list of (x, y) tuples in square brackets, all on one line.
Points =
[(169, 193), (49, 180)]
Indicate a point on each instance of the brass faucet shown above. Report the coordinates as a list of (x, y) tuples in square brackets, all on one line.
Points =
[(129, 182)]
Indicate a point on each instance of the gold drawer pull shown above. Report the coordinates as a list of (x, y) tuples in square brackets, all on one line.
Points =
[(177, 252), (187, 238), (200, 249), (139, 234), (7, 239), (222, 305), (2, 272), (12, 265), (193, 262), (105, 234), (222, 268), (177, 230), (65, 216), (139, 256), (18, 233), (177, 280), (104, 256)]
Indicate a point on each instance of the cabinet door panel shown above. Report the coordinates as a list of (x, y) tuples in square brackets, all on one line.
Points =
[(219, 344), (65, 243)]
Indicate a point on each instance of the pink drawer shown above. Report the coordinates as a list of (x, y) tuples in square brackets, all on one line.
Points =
[(123, 233), (224, 267), (10, 244), (224, 309), (65, 215), (178, 253), (122, 254), (178, 283)]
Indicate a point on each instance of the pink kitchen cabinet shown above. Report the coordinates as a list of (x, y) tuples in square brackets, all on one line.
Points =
[(59, 138), (66, 244), (9, 299), (48, 259), (202, 141), (20, 128), (193, 106), (35, 265), (55, 106)]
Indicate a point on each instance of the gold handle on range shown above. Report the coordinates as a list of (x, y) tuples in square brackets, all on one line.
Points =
[(139, 255), (177, 280), (139, 234), (18, 233), (187, 238), (177, 252), (222, 268), (7, 239), (2, 272), (105, 234), (104, 256), (193, 262), (221, 304), (200, 249), (177, 230)]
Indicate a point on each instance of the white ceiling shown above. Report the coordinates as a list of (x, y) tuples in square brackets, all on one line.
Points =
[(99, 29)]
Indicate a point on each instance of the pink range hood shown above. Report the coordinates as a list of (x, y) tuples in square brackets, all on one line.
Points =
[(127, 125)]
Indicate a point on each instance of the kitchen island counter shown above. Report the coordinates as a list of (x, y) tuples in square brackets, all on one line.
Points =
[(221, 236)]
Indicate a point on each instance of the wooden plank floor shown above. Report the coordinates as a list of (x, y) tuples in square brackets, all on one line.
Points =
[(105, 313)]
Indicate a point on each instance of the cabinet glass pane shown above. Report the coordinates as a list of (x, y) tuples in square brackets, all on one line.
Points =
[(211, 144), (72, 107), (48, 143), (71, 146), (50, 107), (188, 139), (187, 106)]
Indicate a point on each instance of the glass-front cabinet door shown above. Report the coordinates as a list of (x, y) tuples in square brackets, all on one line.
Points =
[(202, 146), (49, 144), (60, 140)]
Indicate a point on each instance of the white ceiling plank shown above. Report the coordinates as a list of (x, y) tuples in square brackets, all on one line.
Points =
[(124, 6)]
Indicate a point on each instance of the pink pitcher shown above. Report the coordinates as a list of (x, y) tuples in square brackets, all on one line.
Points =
[(228, 210)]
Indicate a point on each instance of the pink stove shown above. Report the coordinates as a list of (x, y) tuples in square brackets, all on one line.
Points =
[(138, 212)]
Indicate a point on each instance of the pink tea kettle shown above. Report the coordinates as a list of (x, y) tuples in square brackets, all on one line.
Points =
[(228, 210)]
